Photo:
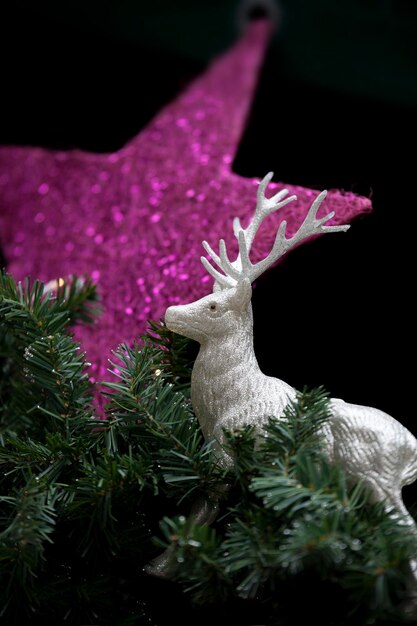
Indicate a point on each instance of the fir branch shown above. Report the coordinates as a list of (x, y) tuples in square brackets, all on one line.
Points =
[(51, 306), (200, 548), (53, 387), (148, 412), (250, 551), (45, 382), (101, 481), (177, 353), (300, 427), (302, 517), (81, 498), (78, 296), (303, 486), (31, 524)]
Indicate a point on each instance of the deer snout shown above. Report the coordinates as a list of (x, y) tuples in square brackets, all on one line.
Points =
[(170, 317), (183, 319), (177, 318)]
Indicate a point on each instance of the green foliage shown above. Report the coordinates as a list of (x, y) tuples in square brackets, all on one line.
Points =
[(149, 413), (293, 518), (81, 497), (43, 379)]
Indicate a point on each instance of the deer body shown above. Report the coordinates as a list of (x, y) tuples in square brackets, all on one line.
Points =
[(229, 390)]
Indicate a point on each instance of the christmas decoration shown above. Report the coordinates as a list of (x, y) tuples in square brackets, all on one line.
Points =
[(84, 501), (229, 391), (132, 219), (81, 499)]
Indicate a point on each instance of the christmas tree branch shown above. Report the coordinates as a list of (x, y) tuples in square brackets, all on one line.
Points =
[(147, 410), (45, 380), (82, 497), (302, 517)]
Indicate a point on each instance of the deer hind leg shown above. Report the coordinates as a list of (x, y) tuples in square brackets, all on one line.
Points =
[(393, 504), (395, 508), (398, 511)]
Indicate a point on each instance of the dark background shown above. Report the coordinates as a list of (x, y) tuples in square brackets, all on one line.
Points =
[(336, 107)]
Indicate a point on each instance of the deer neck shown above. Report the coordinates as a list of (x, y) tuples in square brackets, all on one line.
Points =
[(220, 355), (221, 368)]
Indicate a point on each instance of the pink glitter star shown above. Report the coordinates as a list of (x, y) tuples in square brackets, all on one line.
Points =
[(134, 219)]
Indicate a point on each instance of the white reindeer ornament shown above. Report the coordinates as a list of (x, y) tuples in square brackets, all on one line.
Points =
[(229, 390)]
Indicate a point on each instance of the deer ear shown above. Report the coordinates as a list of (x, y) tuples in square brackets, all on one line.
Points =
[(243, 294)]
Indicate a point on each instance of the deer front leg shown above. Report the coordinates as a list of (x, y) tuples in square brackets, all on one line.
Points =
[(203, 512)]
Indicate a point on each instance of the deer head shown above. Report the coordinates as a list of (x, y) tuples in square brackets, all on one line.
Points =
[(228, 309), (220, 313)]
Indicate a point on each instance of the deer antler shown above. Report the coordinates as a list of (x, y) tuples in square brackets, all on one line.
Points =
[(264, 207), (242, 267)]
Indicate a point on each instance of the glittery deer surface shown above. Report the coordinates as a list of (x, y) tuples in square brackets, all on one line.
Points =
[(229, 390)]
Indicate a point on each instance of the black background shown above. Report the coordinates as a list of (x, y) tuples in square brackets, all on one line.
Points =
[(337, 312)]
